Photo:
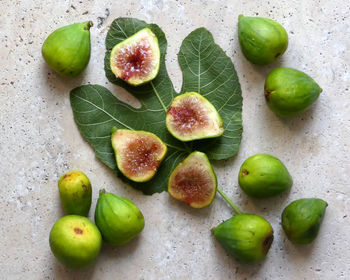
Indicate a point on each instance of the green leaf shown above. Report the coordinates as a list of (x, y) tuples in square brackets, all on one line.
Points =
[(206, 69)]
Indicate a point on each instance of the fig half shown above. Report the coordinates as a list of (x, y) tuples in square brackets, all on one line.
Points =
[(192, 117), (193, 181), (136, 60), (138, 153)]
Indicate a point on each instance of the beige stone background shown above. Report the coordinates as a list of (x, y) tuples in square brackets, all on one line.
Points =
[(39, 141)]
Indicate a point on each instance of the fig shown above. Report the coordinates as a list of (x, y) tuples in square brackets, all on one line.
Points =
[(75, 192), (138, 153), (246, 237), (193, 181), (191, 117), (67, 50), (289, 92), (262, 40), (263, 176), (301, 219), (118, 219), (136, 60), (75, 241)]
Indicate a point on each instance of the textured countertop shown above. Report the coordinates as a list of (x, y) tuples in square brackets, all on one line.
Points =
[(39, 141)]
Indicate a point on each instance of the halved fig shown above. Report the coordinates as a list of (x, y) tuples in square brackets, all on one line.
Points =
[(193, 181), (192, 117), (138, 153), (136, 60)]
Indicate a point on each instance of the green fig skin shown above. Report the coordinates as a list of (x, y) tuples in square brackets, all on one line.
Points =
[(301, 219), (75, 241), (246, 237), (289, 92), (67, 49), (75, 193), (118, 219), (263, 175), (262, 40)]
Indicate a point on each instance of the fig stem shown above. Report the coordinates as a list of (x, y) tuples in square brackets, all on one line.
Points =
[(102, 192), (229, 201)]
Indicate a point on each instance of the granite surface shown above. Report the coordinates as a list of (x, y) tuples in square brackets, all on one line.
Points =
[(39, 141)]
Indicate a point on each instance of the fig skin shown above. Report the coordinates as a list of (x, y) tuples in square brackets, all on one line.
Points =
[(118, 219), (289, 92), (263, 175), (75, 241), (262, 40), (67, 49), (200, 160), (246, 237), (75, 192), (301, 219)]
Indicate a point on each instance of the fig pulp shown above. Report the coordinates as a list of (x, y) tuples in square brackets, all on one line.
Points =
[(118, 219), (193, 181), (75, 241), (136, 60), (301, 219), (138, 153), (246, 237), (264, 175), (289, 92), (192, 117), (67, 50), (262, 40), (75, 193)]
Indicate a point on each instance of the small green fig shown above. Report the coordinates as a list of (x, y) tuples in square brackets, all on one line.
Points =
[(263, 175), (75, 241), (118, 219), (301, 219), (75, 192), (67, 50), (246, 237), (289, 92), (262, 40)]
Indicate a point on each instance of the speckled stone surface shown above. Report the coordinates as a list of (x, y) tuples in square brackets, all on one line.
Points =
[(39, 141)]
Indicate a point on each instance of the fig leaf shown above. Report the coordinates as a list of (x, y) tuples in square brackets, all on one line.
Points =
[(206, 69)]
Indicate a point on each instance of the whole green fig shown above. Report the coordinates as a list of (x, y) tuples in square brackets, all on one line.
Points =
[(289, 92), (263, 175), (301, 219), (118, 219), (75, 192), (67, 50), (262, 40), (75, 241), (246, 237)]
